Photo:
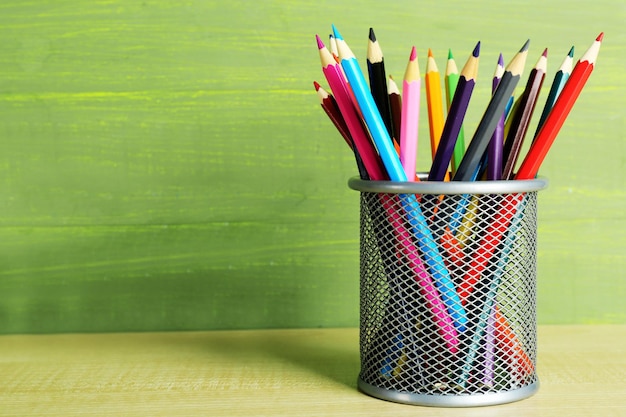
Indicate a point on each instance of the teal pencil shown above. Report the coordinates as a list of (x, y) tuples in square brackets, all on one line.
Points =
[(560, 78)]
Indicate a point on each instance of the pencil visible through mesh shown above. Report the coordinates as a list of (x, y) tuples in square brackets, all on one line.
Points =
[(412, 336)]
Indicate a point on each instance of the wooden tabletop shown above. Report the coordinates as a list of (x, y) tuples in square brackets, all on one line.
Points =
[(307, 372)]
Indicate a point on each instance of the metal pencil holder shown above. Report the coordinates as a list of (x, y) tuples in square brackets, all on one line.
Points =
[(448, 291)]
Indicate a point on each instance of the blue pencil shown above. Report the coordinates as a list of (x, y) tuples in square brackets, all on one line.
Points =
[(390, 159)]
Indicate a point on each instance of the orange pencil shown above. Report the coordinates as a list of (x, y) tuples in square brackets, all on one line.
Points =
[(434, 101)]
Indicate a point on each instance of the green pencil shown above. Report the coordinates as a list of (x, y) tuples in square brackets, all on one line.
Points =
[(451, 80)]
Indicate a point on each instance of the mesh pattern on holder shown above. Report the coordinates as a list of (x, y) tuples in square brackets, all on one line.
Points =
[(448, 292)]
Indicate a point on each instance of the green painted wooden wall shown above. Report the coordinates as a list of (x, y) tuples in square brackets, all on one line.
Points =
[(165, 164)]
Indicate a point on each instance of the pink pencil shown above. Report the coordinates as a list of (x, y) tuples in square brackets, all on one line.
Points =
[(435, 305), (337, 82), (410, 116)]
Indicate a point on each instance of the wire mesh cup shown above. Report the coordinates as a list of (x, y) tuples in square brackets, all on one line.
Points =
[(448, 291)]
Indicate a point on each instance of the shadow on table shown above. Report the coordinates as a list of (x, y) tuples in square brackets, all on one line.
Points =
[(330, 353)]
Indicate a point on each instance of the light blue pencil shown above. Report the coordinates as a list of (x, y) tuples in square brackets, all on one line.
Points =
[(390, 159)]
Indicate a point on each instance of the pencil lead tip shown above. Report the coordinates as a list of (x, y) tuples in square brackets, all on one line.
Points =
[(336, 33), (413, 54), (391, 77), (320, 44), (545, 53), (316, 85), (571, 52), (450, 54), (476, 51), (372, 35), (600, 37), (501, 60), (430, 53), (525, 47)]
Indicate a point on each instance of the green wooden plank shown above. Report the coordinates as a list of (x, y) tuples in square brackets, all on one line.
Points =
[(166, 165)]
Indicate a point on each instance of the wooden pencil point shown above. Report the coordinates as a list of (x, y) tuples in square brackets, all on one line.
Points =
[(545, 53), (316, 85), (571, 52), (320, 44), (600, 37)]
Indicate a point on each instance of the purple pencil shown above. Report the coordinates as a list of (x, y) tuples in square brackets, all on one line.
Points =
[(454, 120), (496, 144)]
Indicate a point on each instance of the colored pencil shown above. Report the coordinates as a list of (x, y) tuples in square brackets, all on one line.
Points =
[(333, 46), (453, 123), (369, 110), (395, 102), (411, 91), (487, 125), (560, 78), (487, 308), (563, 105), (378, 81), (329, 104), (434, 102), (336, 80), (427, 289), (451, 80), (416, 219), (521, 118), (494, 150)]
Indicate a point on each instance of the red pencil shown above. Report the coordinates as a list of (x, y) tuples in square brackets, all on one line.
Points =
[(329, 104), (559, 112)]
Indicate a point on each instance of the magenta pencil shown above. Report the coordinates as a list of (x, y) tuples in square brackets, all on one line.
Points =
[(411, 86), (340, 90), (434, 303)]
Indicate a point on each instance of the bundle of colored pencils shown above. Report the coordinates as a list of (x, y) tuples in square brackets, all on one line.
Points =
[(380, 123)]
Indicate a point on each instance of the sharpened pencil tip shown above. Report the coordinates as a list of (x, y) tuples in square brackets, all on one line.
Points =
[(320, 44), (413, 54), (430, 53), (571, 52), (600, 37), (372, 35), (316, 85), (525, 47), (545, 53), (336, 33), (476, 51), (450, 54), (501, 60)]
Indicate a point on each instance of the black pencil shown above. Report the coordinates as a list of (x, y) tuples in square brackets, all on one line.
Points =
[(468, 167), (378, 82)]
